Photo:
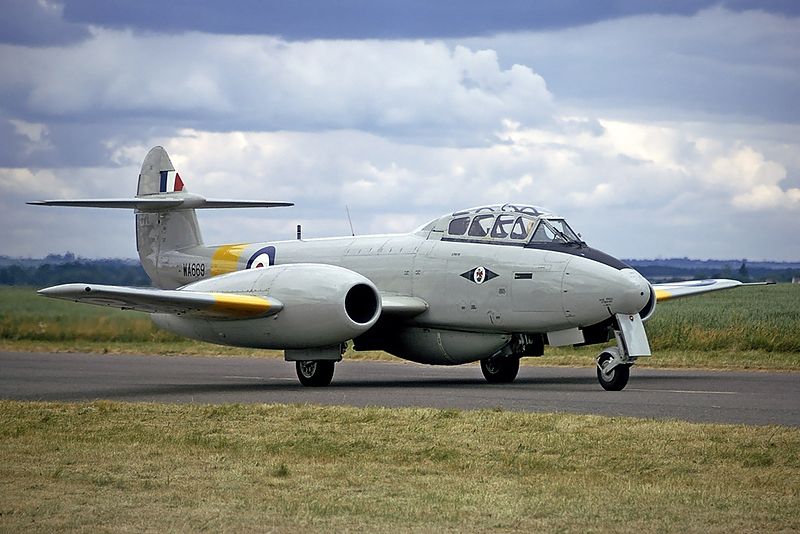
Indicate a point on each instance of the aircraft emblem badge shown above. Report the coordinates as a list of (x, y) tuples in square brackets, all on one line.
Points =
[(479, 275)]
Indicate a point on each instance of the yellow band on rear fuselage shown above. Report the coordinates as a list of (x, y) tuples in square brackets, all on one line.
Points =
[(226, 259)]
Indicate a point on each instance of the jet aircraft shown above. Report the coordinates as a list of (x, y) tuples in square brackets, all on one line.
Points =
[(490, 284)]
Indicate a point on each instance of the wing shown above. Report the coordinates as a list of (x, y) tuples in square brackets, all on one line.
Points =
[(178, 302), (675, 290), (202, 304)]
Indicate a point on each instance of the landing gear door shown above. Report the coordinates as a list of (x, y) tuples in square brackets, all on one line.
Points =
[(633, 336)]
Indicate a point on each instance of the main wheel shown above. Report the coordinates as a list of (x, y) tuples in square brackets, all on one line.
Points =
[(617, 378), (315, 373), (500, 370)]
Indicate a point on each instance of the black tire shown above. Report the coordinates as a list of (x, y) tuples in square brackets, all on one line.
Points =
[(617, 379), (315, 373), (500, 370)]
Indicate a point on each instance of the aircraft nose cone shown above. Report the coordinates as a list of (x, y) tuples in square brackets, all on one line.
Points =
[(633, 292)]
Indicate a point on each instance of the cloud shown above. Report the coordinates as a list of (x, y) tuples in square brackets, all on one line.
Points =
[(403, 131), (37, 23), (668, 67), (262, 83), (630, 198), (766, 196), (629, 167), (381, 19)]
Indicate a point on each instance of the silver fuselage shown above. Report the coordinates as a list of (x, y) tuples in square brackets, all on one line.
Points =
[(530, 290)]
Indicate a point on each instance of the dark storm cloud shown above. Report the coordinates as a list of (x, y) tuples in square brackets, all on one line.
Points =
[(35, 23), (75, 143), (362, 19)]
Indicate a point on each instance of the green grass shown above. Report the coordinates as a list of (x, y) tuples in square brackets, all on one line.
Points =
[(30, 322), (765, 318), (26, 316), (745, 328), (141, 467)]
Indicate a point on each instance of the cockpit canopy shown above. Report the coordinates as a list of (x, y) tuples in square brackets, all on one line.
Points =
[(502, 223)]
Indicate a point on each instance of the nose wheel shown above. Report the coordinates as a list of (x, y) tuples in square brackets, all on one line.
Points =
[(612, 373)]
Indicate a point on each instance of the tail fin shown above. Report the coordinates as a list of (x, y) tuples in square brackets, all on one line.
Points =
[(159, 232), (165, 214), (158, 174)]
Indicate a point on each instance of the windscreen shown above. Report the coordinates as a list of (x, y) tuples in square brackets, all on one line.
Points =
[(554, 231)]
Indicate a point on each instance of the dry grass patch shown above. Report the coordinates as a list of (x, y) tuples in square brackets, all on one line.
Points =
[(145, 467)]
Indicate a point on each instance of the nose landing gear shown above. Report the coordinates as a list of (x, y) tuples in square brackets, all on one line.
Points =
[(614, 363), (612, 372)]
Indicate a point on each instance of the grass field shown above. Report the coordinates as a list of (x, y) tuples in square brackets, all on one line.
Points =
[(140, 467), (744, 328), (143, 467)]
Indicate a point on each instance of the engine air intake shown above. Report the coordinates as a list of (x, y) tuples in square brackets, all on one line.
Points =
[(361, 303)]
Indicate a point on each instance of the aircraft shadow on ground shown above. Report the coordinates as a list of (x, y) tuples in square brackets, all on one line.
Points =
[(403, 388)]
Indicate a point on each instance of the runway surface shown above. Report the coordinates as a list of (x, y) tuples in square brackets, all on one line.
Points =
[(705, 396)]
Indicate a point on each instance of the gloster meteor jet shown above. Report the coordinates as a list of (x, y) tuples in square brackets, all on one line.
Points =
[(490, 284)]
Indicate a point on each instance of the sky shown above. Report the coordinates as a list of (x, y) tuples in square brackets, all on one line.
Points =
[(657, 129)]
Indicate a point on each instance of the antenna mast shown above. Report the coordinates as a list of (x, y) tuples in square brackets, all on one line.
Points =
[(352, 232)]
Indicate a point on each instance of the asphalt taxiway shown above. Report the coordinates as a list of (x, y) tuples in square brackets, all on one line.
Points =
[(759, 398)]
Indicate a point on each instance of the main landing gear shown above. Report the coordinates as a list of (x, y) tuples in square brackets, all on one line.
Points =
[(500, 369), (315, 366), (315, 373)]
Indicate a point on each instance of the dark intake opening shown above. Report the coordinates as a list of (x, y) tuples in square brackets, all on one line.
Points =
[(361, 303)]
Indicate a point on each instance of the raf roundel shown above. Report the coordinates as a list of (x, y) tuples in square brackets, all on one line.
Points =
[(262, 258)]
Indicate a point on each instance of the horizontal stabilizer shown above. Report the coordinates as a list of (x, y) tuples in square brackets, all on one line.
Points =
[(177, 302), (401, 306), (162, 202), (675, 290), (145, 204)]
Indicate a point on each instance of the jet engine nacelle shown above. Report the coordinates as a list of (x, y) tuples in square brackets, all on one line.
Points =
[(323, 305)]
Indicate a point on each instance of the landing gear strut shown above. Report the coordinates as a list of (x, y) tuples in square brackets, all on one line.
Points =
[(315, 373), (614, 363), (500, 369)]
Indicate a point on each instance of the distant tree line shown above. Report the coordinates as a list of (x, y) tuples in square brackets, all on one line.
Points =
[(117, 272), (743, 273)]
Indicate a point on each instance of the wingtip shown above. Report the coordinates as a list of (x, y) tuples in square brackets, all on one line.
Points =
[(64, 290), (48, 291)]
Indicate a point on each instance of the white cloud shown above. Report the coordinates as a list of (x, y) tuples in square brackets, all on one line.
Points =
[(33, 131), (252, 82), (35, 135), (41, 183), (600, 182)]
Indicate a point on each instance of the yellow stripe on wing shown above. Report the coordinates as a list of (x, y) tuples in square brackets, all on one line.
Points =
[(239, 305), (662, 294), (226, 259)]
